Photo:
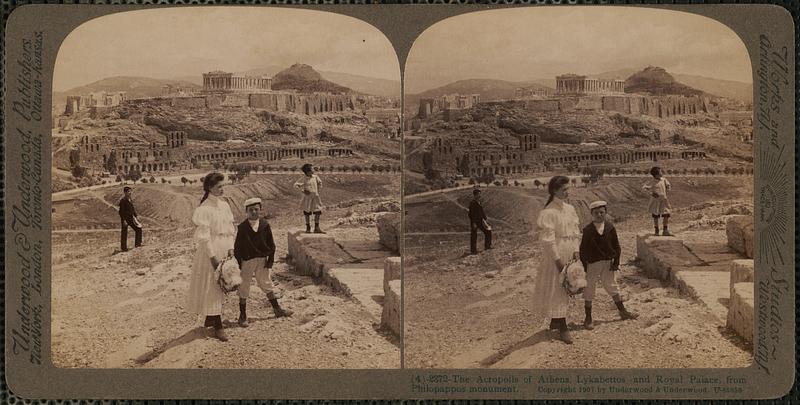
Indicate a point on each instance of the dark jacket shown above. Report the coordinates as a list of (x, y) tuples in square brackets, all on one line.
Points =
[(596, 247), (476, 214), (250, 245), (126, 210)]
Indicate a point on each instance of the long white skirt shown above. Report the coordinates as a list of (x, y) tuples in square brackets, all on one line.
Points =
[(549, 297), (205, 297)]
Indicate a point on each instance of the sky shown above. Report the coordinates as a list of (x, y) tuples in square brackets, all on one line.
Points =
[(175, 42), (532, 43)]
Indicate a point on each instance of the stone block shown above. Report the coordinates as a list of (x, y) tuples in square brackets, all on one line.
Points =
[(740, 312), (391, 271), (659, 254), (302, 248), (361, 284), (391, 308), (739, 230), (389, 230), (742, 271)]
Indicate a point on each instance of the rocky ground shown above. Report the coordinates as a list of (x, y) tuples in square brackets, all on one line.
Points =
[(466, 311), (126, 310)]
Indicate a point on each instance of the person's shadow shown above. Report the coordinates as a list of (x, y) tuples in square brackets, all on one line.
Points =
[(538, 337), (192, 335)]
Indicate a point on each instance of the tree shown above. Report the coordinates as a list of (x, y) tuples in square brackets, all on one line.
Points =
[(119, 179), (111, 163), (163, 181), (134, 175), (184, 180), (726, 170), (505, 182), (471, 181), (216, 165), (78, 171), (574, 181), (497, 183), (537, 183), (152, 179)]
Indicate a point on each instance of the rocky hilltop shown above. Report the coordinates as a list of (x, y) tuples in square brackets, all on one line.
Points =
[(304, 78), (656, 81)]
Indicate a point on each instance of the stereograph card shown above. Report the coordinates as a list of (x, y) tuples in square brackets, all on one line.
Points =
[(399, 202)]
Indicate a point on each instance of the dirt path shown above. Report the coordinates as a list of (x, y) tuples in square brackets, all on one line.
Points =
[(127, 311), (475, 311)]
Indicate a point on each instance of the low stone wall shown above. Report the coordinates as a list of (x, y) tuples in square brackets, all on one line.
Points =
[(390, 317), (391, 271), (740, 312), (662, 257), (739, 230), (389, 231), (302, 249), (740, 307)]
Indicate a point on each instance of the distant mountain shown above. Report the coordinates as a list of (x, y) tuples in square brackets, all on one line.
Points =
[(360, 84), (364, 84), (656, 81), (724, 88), (489, 89), (304, 78), (134, 87)]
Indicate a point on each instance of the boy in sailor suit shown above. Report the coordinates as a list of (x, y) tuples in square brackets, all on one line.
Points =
[(254, 249)]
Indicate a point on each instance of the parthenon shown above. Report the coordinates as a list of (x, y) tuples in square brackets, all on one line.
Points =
[(218, 81), (577, 84)]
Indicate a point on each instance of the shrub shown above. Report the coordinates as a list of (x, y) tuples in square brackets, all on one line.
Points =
[(497, 183)]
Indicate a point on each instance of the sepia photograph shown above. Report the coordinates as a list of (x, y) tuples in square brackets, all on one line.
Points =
[(226, 192), (578, 191)]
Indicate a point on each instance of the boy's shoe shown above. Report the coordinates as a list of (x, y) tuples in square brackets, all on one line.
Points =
[(317, 230), (308, 228), (656, 231), (666, 233)]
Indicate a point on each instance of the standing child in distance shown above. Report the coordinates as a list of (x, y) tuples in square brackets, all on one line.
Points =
[(310, 184), (599, 253), (254, 249), (659, 204)]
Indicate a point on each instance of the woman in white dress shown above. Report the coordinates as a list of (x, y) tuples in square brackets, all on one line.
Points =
[(560, 236), (214, 238)]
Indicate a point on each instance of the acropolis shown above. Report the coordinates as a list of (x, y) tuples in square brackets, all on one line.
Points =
[(578, 84), (221, 82)]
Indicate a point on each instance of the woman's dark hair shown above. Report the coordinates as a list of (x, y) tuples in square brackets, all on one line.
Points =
[(655, 170), (306, 167), (555, 184), (209, 182)]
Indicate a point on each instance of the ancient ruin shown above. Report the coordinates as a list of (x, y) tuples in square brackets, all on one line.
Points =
[(221, 82), (579, 85)]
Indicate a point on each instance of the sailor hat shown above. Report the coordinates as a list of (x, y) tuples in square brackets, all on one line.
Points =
[(251, 201), (597, 204)]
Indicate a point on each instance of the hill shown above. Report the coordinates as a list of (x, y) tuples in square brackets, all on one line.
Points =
[(135, 87), (489, 89), (304, 78), (656, 81)]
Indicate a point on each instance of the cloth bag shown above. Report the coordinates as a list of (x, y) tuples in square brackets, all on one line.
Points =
[(228, 275), (574, 276)]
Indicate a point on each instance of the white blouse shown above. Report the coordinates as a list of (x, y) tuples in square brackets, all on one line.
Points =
[(659, 187), (311, 184), (215, 226), (557, 222)]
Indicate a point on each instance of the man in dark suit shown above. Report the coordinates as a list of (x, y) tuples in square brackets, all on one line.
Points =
[(128, 217), (477, 220), (254, 249)]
